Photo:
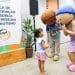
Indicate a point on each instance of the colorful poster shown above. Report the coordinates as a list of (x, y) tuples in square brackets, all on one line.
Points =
[(10, 23)]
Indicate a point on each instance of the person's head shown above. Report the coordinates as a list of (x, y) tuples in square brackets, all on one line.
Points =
[(38, 33), (66, 19)]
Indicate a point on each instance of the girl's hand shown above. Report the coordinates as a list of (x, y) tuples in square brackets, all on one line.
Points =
[(69, 32), (44, 45), (64, 28), (48, 46)]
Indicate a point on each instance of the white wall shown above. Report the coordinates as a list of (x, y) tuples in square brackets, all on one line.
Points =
[(24, 8), (66, 3)]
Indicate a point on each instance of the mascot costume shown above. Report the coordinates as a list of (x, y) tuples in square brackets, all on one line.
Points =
[(53, 28)]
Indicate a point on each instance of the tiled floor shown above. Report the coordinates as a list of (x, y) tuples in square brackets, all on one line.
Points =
[(30, 66)]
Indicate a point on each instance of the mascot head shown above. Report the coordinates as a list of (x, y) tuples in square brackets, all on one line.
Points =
[(65, 15), (48, 17)]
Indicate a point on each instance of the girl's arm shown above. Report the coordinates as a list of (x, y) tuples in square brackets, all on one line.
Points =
[(73, 29), (44, 45), (66, 31), (72, 33)]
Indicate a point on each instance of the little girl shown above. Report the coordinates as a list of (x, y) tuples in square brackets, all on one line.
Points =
[(70, 30), (40, 54)]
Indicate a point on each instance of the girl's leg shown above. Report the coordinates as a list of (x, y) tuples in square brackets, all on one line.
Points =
[(72, 56), (71, 59), (71, 66), (42, 66), (39, 64)]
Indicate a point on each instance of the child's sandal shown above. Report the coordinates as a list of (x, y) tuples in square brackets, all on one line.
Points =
[(68, 65), (72, 68)]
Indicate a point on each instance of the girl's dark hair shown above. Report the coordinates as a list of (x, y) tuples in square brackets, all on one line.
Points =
[(37, 31)]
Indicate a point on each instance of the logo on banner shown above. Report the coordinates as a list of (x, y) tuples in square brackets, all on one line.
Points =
[(10, 22), (4, 34)]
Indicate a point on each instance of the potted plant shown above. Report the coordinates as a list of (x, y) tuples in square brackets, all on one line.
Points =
[(28, 33)]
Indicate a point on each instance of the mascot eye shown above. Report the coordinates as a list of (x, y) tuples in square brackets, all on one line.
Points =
[(60, 20)]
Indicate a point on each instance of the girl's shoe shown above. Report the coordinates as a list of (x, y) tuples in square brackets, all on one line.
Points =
[(68, 65), (72, 68), (56, 57)]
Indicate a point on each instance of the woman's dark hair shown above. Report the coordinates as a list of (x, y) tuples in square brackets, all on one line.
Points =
[(37, 31)]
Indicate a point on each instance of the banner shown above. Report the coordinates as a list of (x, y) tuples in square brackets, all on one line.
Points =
[(10, 22)]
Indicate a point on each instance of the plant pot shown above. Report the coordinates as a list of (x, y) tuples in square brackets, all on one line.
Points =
[(29, 52)]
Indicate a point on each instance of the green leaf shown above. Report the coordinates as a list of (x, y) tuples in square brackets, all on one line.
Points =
[(29, 21), (28, 30)]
